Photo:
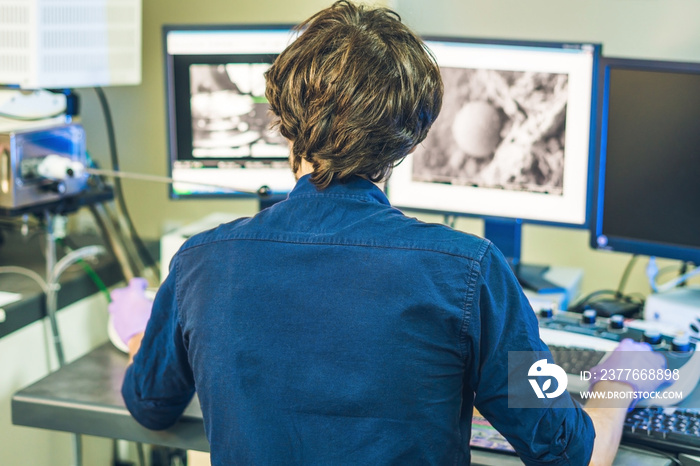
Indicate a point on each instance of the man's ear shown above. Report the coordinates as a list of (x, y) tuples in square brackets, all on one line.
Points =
[(412, 149)]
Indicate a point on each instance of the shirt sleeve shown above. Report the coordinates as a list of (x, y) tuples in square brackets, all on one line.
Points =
[(502, 321), (159, 384)]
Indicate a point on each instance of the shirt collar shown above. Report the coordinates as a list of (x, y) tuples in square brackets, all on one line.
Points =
[(356, 187)]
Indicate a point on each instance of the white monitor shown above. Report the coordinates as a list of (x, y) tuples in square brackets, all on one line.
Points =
[(514, 138), (218, 118)]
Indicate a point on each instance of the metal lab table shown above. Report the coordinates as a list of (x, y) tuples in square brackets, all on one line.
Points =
[(85, 397)]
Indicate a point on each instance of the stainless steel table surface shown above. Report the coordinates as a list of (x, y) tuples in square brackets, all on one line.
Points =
[(85, 397)]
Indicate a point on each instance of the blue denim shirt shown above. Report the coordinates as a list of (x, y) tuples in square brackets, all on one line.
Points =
[(332, 329)]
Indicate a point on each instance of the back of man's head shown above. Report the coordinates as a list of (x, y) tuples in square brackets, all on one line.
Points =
[(354, 93)]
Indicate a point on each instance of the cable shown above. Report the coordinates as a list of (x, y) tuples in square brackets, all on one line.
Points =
[(114, 240), (140, 246), (579, 305), (683, 270), (73, 257), (589, 298), (625, 276), (263, 191), (618, 295), (53, 273), (113, 237), (54, 270), (27, 273), (671, 268), (652, 271), (51, 295), (89, 271)]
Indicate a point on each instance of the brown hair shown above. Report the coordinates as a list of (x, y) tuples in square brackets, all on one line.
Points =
[(354, 93)]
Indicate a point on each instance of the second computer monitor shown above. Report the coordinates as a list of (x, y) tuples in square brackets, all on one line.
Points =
[(220, 139), (513, 139), (648, 191)]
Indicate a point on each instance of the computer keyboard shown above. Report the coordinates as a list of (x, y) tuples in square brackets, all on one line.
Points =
[(575, 353), (567, 339), (675, 430), (575, 359), (666, 428)]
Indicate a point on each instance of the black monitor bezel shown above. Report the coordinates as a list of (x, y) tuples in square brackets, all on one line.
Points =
[(171, 117), (616, 243)]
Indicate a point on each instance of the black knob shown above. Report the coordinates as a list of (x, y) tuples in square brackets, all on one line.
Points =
[(546, 313), (681, 344), (653, 337), (589, 317), (617, 322)]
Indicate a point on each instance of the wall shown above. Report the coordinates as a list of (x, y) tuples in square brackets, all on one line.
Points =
[(656, 29), (649, 29)]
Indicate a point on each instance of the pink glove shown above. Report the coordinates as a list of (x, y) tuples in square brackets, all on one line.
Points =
[(634, 364), (130, 309)]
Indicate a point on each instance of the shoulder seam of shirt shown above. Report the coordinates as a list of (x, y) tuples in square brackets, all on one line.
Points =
[(360, 197), (332, 243), (469, 296)]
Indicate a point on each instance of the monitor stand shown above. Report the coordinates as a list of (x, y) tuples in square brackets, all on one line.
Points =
[(265, 201), (507, 235)]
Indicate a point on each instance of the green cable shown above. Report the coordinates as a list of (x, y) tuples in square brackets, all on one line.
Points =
[(95, 278), (90, 272)]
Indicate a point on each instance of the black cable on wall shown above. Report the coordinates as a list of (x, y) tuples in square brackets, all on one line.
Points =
[(118, 191)]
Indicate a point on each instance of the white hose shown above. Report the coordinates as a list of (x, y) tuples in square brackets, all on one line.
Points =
[(87, 252), (653, 272), (27, 273)]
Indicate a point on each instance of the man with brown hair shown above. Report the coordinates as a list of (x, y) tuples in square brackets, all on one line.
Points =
[(330, 328), (354, 94)]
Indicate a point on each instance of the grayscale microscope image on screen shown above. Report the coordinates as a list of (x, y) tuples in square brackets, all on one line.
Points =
[(230, 114), (498, 129)]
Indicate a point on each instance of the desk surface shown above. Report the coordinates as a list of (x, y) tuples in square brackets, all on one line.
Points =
[(85, 397)]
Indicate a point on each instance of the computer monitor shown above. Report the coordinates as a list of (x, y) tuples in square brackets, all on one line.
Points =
[(218, 118), (648, 196), (513, 142)]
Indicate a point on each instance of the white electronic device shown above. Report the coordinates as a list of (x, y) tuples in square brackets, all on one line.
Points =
[(679, 307), (31, 105), (171, 242), (569, 278), (48, 44)]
